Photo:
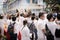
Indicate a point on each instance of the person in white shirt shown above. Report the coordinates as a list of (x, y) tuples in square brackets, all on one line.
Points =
[(51, 26), (41, 27), (58, 26), (25, 31), (9, 19), (1, 27)]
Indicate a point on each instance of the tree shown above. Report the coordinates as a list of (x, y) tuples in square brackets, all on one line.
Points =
[(53, 4)]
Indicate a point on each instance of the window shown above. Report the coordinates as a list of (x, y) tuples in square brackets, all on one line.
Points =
[(35, 1), (28, 1)]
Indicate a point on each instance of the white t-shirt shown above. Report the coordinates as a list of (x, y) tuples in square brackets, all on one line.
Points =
[(8, 21), (25, 33), (52, 27), (41, 26), (35, 22), (2, 26), (20, 21)]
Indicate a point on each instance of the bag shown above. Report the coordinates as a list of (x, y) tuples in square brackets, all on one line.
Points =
[(10, 28), (32, 27), (33, 31), (49, 34), (57, 33), (11, 32)]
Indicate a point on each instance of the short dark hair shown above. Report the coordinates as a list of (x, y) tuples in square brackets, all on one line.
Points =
[(49, 16), (13, 18), (24, 22), (17, 10), (33, 14), (58, 16), (40, 14), (32, 18), (1, 17)]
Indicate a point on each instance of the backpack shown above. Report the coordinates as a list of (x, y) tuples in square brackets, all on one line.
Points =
[(57, 33), (33, 31), (11, 32), (11, 28), (48, 33)]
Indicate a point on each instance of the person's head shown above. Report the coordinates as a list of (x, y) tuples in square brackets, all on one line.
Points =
[(17, 11), (1, 17), (33, 14), (36, 18), (41, 16), (58, 16), (32, 18), (22, 14), (9, 17), (24, 22), (13, 18), (50, 17)]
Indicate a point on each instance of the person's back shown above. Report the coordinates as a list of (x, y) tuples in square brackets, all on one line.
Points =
[(25, 31), (12, 29), (1, 27), (51, 26), (57, 30), (41, 27)]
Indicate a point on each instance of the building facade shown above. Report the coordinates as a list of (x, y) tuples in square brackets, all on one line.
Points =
[(33, 5)]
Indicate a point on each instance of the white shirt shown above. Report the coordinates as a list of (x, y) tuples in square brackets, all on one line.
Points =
[(8, 21), (35, 22), (41, 26), (20, 22), (52, 27), (2, 26), (25, 33)]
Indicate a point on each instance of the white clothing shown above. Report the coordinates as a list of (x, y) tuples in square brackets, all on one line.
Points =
[(2, 25), (52, 27), (35, 22), (40, 27), (20, 22), (25, 33), (8, 21)]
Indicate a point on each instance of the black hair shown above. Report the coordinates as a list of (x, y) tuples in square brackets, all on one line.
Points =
[(40, 14), (32, 18), (1, 17), (13, 18), (17, 10), (21, 14), (37, 18), (33, 14), (24, 22), (49, 16), (58, 16)]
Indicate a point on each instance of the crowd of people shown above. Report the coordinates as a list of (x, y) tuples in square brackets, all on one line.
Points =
[(45, 26)]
